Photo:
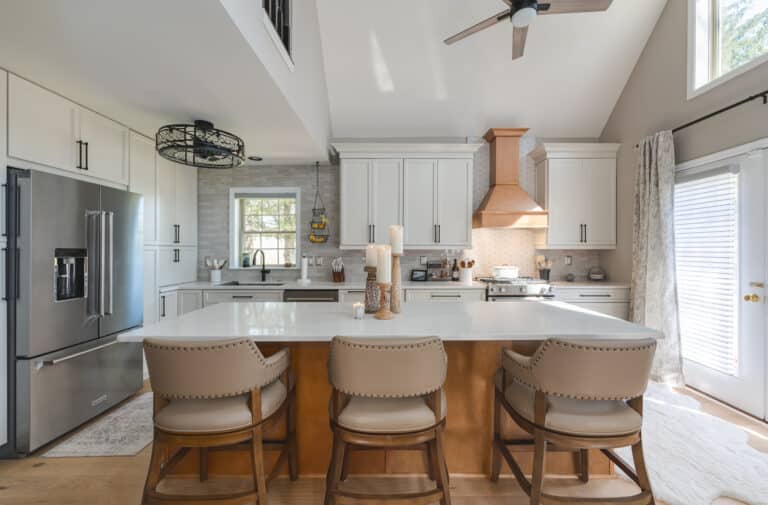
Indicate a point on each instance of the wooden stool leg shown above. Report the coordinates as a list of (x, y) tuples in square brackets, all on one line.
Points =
[(441, 470), (430, 463), (203, 464), (345, 464), (640, 468), (539, 457), (155, 466), (495, 453), (334, 469), (257, 459), (583, 466), (293, 457)]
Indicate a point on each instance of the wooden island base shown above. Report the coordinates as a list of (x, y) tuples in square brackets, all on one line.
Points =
[(468, 434)]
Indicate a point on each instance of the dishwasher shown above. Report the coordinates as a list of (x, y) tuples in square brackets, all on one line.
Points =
[(311, 295)]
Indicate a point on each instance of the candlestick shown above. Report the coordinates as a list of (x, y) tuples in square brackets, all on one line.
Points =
[(384, 264), (396, 292), (396, 238), (384, 313), (371, 292), (370, 255)]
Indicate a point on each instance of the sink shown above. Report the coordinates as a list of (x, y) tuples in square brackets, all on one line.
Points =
[(238, 283)]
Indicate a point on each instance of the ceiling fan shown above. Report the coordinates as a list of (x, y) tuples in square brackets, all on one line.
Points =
[(523, 12)]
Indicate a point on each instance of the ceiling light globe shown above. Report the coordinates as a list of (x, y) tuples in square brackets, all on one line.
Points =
[(524, 17)]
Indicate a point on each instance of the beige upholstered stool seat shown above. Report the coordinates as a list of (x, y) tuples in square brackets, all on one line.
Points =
[(388, 415), (218, 414), (590, 418)]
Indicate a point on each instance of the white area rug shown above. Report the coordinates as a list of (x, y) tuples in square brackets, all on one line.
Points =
[(694, 457), (123, 432)]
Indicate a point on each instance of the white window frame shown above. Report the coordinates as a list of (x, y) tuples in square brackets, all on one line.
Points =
[(234, 224), (711, 84)]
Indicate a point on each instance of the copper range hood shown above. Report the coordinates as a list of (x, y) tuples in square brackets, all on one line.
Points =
[(507, 205)]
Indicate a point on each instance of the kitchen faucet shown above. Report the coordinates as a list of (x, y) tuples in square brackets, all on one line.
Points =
[(264, 271)]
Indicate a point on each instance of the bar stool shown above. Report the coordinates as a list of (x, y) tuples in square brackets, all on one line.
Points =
[(210, 395), (576, 395), (387, 394)]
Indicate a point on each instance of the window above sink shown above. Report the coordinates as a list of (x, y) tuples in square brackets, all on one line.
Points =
[(266, 219)]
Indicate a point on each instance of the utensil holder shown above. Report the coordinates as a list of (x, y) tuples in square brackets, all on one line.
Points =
[(338, 276), (215, 276), (465, 276), (544, 274), (371, 292)]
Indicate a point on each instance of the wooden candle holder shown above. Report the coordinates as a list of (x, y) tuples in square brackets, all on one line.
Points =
[(396, 294), (384, 312), (371, 292)]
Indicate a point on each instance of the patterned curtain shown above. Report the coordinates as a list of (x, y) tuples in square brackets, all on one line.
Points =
[(654, 290)]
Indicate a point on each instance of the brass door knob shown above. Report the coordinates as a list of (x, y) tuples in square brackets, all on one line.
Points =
[(752, 298)]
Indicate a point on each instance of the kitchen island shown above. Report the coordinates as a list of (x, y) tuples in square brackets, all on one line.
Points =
[(474, 334)]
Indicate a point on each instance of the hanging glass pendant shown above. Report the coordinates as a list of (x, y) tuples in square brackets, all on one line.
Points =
[(318, 226)]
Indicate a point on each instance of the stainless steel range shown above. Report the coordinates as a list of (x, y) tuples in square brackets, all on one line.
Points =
[(519, 289)]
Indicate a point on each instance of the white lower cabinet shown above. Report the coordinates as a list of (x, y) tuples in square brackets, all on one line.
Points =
[(176, 265), (609, 300), (213, 297), (168, 306), (150, 286), (352, 296), (189, 300), (445, 295)]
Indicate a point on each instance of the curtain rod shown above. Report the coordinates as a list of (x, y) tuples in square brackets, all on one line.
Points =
[(763, 95)]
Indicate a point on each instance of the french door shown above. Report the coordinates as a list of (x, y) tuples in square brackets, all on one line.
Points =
[(720, 246)]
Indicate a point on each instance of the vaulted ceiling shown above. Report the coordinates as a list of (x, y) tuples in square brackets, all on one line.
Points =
[(389, 74)]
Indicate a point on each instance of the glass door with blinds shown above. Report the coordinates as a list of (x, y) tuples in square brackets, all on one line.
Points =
[(720, 247)]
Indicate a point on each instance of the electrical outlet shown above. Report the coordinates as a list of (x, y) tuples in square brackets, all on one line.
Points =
[(310, 261), (319, 260), (569, 260), (422, 260)]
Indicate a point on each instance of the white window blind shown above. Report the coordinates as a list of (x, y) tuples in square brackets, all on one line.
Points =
[(706, 249)]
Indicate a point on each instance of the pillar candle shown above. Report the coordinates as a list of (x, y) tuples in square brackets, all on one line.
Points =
[(384, 265), (370, 255), (396, 238)]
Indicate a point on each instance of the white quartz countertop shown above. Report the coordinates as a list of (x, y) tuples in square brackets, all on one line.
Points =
[(320, 322), (317, 285)]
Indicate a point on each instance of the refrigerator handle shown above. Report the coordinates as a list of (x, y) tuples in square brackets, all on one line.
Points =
[(111, 265), (102, 260)]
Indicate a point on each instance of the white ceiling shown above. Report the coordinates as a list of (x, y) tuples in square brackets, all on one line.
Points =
[(390, 75), (148, 62)]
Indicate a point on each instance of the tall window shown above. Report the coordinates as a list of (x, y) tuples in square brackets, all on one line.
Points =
[(279, 14), (265, 219), (707, 258), (728, 37)]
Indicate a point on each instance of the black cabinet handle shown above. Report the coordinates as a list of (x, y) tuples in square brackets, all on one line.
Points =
[(86, 156), (176, 255), (176, 233), (373, 233), (79, 154), (5, 222), (585, 234), (439, 234), (162, 312)]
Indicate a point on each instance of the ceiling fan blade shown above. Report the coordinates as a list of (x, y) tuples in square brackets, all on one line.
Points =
[(482, 25), (572, 6), (519, 36)]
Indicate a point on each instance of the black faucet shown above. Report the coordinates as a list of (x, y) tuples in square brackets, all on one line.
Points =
[(264, 271)]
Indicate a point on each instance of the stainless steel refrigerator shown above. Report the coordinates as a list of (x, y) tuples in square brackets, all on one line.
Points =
[(74, 279)]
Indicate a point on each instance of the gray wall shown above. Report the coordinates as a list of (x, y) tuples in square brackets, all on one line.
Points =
[(655, 98)]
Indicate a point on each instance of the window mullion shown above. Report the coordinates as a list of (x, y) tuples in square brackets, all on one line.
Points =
[(714, 39)]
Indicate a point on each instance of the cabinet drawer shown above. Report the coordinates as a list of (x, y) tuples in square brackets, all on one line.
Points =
[(445, 295), (217, 296), (615, 309), (591, 294)]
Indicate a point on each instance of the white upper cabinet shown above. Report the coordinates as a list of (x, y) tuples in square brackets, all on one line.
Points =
[(47, 129), (104, 146), (41, 125), (386, 197), (144, 180), (420, 198), (176, 203), (579, 192), (426, 188)]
